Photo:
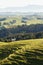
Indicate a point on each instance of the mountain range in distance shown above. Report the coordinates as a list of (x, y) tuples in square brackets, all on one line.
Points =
[(26, 10), (21, 14)]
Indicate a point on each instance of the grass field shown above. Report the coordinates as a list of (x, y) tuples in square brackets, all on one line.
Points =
[(19, 21), (24, 52)]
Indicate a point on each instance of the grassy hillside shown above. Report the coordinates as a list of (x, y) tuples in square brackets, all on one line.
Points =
[(25, 52), (19, 21)]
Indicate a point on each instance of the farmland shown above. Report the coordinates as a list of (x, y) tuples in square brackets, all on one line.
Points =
[(19, 20), (21, 40)]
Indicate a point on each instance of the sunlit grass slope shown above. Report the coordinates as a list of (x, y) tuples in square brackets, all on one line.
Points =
[(24, 52), (19, 21)]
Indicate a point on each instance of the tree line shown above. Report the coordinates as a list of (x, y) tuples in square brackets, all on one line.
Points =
[(23, 32), (22, 36)]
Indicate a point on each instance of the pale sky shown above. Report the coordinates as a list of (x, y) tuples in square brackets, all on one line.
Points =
[(19, 3)]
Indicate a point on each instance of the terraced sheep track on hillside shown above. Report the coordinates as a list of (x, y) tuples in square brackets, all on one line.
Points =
[(25, 52)]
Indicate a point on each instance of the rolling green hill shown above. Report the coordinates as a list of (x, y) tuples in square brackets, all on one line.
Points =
[(29, 20), (25, 52)]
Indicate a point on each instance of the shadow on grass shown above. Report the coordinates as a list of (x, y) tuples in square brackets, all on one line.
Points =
[(35, 58), (28, 58), (9, 50)]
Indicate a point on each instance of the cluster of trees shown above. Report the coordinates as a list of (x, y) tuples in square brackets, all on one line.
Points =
[(22, 36), (21, 32), (30, 36), (2, 19)]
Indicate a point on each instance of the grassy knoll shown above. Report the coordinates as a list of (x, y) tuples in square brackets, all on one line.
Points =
[(25, 52)]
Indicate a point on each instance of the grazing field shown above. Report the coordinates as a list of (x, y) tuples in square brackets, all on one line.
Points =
[(7, 22), (24, 52)]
